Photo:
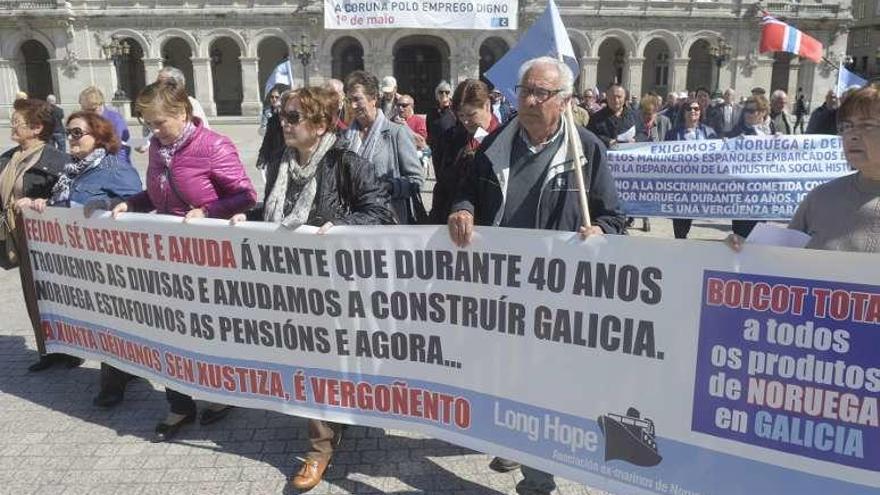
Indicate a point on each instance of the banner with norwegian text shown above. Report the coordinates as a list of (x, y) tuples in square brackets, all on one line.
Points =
[(745, 178), (632, 364), (421, 14)]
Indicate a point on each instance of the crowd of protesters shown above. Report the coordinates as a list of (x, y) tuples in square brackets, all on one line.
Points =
[(354, 152)]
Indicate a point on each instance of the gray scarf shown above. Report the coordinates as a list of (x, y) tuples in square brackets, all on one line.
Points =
[(298, 183), (367, 147)]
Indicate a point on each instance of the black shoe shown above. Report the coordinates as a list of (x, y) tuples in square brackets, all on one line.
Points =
[(502, 465), (107, 399), (71, 362), (165, 431), (211, 416), (46, 361)]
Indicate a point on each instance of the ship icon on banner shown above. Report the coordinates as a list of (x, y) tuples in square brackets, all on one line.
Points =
[(630, 438)]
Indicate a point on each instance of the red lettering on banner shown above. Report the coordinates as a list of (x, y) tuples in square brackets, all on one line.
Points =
[(397, 399), (839, 304), (75, 335), (179, 367), (201, 252), (118, 242), (756, 296), (256, 381)]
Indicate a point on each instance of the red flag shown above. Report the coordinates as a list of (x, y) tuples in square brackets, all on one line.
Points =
[(777, 36)]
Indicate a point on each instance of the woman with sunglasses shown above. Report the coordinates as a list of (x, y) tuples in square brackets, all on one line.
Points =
[(29, 170), (691, 128), (193, 172), (457, 147), (318, 181), (94, 177)]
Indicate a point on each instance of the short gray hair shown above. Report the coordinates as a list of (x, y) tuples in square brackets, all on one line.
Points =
[(778, 94), (566, 77), (172, 73), (51, 99), (443, 86)]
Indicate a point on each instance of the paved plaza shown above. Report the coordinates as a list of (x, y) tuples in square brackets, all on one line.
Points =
[(54, 441)]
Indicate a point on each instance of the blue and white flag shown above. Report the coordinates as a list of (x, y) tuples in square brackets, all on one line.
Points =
[(283, 74), (847, 79), (546, 37)]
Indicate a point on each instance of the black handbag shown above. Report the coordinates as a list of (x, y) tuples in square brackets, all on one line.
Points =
[(415, 210)]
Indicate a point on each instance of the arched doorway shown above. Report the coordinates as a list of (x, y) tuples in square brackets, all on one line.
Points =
[(420, 63), (612, 60), (700, 70), (348, 56), (132, 76), (655, 71), (225, 57), (781, 71), (37, 74), (490, 52), (177, 53), (271, 52)]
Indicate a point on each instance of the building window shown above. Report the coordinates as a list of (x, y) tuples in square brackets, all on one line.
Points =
[(661, 69)]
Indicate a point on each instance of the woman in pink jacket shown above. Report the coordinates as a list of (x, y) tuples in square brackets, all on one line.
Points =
[(193, 172)]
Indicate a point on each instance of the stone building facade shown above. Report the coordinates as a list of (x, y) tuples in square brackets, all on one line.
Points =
[(228, 48), (864, 38)]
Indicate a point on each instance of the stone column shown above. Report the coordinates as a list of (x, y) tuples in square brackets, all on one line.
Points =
[(634, 76), (678, 76), (794, 69), (204, 85), (250, 70), (8, 87), (589, 73), (152, 66), (463, 64)]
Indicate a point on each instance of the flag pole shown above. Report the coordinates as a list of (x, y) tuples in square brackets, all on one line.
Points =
[(575, 147)]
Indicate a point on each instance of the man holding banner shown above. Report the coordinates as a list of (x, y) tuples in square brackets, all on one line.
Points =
[(523, 177)]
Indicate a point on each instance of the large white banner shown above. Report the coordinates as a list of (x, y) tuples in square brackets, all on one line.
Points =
[(420, 14), (633, 364)]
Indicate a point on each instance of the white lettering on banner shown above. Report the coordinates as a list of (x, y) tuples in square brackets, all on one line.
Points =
[(620, 362), (421, 14), (759, 178)]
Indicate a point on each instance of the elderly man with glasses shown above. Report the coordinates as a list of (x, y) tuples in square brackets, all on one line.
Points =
[(522, 177)]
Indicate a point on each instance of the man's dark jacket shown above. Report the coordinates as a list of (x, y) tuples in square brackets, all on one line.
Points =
[(607, 126), (558, 207), (823, 121)]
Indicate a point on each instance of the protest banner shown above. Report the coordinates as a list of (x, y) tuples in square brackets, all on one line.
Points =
[(422, 14), (744, 178), (632, 364)]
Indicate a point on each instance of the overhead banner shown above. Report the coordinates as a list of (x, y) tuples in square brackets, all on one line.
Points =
[(632, 364), (744, 178), (421, 14)]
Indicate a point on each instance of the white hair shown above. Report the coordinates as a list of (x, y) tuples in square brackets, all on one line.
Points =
[(51, 99), (443, 86), (172, 73), (778, 94), (566, 78)]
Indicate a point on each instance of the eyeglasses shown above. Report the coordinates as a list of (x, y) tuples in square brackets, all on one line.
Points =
[(847, 127), (444, 92), (75, 133), (693, 109), (541, 95), (290, 118), (18, 123)]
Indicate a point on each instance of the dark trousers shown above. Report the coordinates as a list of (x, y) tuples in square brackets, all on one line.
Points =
[(180, 403), (682, 226), (113, 380)]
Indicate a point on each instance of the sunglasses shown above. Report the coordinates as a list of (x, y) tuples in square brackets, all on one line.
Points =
[(443, 92), (291, 118), (693, 109), (75, 133)]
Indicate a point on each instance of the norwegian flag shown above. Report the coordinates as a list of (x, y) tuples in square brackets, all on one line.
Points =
[(777, 36)]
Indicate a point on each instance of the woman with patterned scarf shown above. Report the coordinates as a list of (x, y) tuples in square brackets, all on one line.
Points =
[(386, 144), (193, 172), (318, 181)]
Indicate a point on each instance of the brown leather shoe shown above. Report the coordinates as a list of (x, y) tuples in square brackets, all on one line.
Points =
[(310, 474)]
